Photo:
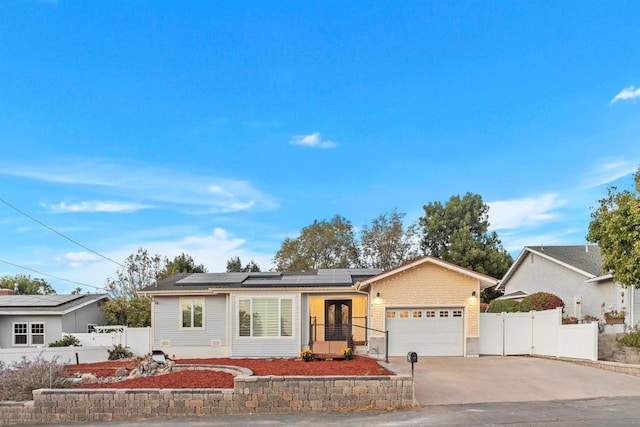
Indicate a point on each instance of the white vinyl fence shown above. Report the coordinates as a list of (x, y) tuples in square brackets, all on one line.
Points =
[(93, 347), (537, 333), (137, 340), (63, 355)]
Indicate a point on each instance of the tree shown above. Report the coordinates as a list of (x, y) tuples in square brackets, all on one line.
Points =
[(182, 263), (458, 232), (234, 265), (26, 285), (386, 243), (139, 270), (132, 312), (76, 291), (615, 227), (323, 244)]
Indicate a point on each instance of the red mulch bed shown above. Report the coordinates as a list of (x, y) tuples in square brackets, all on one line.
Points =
[(211, 379)]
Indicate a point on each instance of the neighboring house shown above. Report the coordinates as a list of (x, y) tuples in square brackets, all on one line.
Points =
[(38, 320), (428, 306), (573, 273)]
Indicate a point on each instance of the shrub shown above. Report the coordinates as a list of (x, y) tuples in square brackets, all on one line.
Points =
[(19, 379), (541, 301), (66, 341), (119, 352), (504, 305), (631, 338)]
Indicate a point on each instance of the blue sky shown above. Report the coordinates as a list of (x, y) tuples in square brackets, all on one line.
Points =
[(219, 130)]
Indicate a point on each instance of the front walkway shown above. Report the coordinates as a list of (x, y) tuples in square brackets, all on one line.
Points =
[(459, 380)]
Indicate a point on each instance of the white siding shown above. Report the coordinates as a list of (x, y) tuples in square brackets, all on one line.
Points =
[(167, 318)]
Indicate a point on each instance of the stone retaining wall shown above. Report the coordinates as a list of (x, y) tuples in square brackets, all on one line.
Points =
[(251, 395)]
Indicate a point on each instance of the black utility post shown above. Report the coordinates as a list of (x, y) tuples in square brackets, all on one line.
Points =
[(412, 357)]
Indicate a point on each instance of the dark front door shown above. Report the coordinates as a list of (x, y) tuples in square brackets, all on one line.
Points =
[(337, 314)]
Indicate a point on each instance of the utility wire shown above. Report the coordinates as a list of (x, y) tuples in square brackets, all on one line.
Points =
[(51, 275), (59, 234)]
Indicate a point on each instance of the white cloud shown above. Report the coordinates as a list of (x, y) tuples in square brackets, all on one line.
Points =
[(110, 207), (608, 172), (212, 250), (626, 94), (525, 212), (78, 259), (312, 140), (190, 192)]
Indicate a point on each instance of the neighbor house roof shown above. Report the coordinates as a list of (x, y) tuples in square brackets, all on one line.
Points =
[(583, 259), (46, 304), (321, 278), (485, 281)]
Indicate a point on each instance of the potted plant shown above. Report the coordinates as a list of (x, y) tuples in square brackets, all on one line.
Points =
[(347, 353), (615, 317), (306, 355)]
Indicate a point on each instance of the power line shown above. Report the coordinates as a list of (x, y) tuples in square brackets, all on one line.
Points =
[(51, 275), (59, 233)]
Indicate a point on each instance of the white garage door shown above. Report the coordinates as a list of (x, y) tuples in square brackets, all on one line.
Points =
[(427, 331)]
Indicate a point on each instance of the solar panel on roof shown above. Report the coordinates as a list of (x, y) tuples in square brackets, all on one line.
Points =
[(213, 278), (36, 300)]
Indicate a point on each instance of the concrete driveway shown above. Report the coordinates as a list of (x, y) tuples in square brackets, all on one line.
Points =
[(459, 380)]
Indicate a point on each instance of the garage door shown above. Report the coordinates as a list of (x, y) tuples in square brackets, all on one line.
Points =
[(427, 331)]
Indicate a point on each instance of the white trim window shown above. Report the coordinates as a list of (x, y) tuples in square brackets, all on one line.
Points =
[(28, 334), (265, 317), (192, 313), (37, 333), (21, 334)]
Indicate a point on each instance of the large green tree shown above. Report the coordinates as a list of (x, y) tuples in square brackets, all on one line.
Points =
[(26, 285), (615, 227), (234, 265), (182, 263), (132, 312), (458, 232), (323, 244), (386, 243)]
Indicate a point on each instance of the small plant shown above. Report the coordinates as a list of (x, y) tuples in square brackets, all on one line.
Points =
[(615, 314), (504, 305), (631, 338), (569, 320), (119, 352), (541, 301), (306, 355), (347, 353), (19, 379), (66, 341), (588, 318)]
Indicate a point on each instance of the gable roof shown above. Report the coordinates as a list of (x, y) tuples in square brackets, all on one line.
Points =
[(46, 304), (321, 278), (583, 259), (485, 281)]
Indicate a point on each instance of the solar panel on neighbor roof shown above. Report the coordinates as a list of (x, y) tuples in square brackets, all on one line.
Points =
[(36, 300)]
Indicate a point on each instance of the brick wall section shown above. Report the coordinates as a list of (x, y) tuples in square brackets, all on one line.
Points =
[(428, 285), (621, 368), (251, 395)]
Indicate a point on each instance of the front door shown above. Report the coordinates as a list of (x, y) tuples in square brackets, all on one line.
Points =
[(337, 314)]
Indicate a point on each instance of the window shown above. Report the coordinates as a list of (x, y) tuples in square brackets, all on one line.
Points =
[(457, 313), (192, 310), (417, 314), (431, 313), (37, 333), (444, 313), (391, 314), (20, 333), (404, 314), (28, 333), (265, 317)]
